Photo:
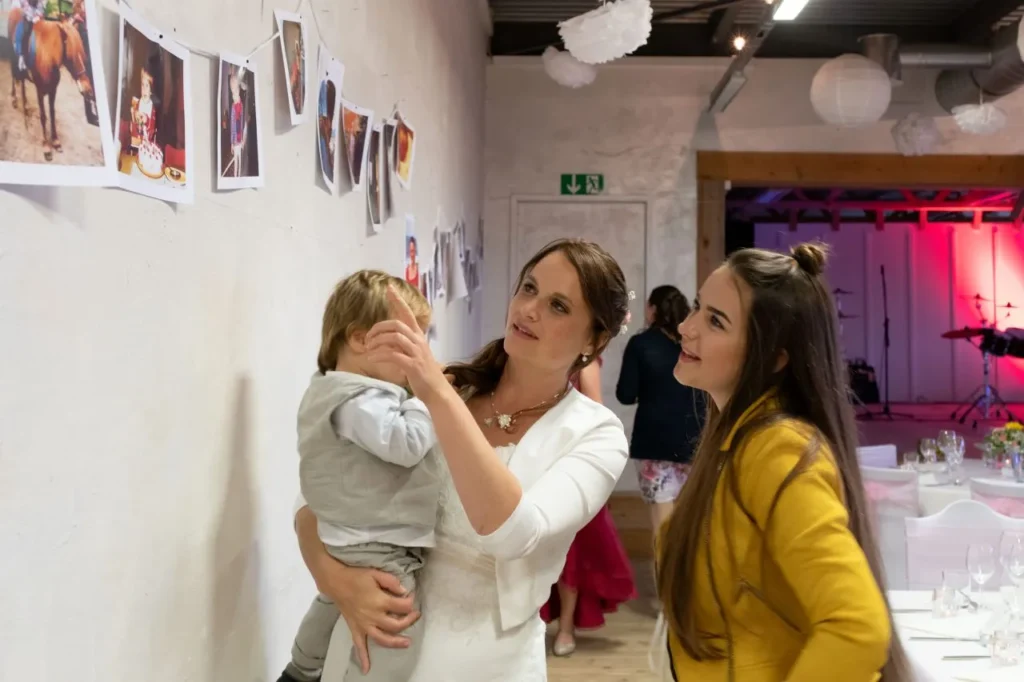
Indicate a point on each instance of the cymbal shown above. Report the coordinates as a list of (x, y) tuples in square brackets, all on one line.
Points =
[(965, 333), (844, 316), (978, 297), (1009, 306), (841, 292)]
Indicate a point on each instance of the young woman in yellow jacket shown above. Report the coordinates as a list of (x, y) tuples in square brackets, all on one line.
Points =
[(768, 569)]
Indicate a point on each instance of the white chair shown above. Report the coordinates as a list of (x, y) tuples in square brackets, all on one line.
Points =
[(1005, 497), (939, 542), (879, 456), (894, 497)]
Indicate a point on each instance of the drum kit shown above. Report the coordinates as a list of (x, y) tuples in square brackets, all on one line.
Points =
[(992, 342)]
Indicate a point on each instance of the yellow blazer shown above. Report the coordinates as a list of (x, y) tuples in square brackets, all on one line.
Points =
[(799, 598)]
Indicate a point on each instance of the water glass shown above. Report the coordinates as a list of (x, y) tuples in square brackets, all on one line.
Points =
[(1007, 648), (927, 447), (959, 581), (981, 564), (945, 602), (911, 460)]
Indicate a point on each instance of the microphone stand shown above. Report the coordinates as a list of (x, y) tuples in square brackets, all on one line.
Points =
[(886, 408)]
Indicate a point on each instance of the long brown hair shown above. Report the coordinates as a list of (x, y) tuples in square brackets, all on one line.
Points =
[(670, 309), (790, 311), (604, 291)]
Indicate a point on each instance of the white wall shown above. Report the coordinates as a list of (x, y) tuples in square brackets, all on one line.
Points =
[(152, 358), (640, 124)]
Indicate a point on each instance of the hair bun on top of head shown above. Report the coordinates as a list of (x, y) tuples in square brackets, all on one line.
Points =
[(811, 257)]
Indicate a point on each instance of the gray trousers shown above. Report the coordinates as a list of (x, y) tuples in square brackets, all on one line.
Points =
[(386, 665)]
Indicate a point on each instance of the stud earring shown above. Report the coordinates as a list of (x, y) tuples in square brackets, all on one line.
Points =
[(585, 358)]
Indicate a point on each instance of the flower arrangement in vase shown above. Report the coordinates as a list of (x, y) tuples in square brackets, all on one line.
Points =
[(1002, 442)]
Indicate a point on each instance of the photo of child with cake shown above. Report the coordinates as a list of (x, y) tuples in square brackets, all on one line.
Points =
[(153, 131), (239, 149)]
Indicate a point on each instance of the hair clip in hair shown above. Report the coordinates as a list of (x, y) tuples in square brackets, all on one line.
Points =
[(625, 325), (632, 295)]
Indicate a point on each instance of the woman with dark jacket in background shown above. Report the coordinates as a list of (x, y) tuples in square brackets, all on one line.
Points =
[(669, 416)]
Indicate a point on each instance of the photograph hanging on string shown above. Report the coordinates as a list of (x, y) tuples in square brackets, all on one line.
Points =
[(375, 191), (456, 272), (459, 234), (356, 124), (156, 156), (388, 167), (480, 239), (412, 262), (292, 36), (54, 116), (437, 264), (239, 151), (331, 74), (405, 151)]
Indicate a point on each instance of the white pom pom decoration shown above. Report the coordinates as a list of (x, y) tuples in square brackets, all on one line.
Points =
[(851, 91), (979, 119), (566, 70), (611, 31), (916, 135)]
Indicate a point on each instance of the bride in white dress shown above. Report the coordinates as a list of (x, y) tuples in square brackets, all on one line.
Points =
[(529, 462)]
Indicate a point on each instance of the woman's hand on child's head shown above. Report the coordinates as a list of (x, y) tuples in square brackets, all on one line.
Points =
[(400, 342)]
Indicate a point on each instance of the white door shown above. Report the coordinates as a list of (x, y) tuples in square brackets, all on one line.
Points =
[(620, 227)]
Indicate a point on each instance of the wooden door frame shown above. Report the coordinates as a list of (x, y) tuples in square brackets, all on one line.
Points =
[(717, 171)]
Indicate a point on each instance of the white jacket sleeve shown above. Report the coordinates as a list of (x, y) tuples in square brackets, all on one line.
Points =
[(566, 497)]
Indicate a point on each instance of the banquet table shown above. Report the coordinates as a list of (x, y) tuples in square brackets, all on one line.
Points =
[(930, 641), (936, 492)]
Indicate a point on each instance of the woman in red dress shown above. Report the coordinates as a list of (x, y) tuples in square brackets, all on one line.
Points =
[(597, 576)]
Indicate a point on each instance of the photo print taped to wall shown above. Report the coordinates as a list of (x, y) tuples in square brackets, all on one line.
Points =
[(239, 146), (74, 147), (155, 146), (331, 75), (294, 59)]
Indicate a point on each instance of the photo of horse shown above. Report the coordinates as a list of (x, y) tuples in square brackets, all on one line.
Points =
[(53, 100), (154, 114), (293, 57), (239, 153)]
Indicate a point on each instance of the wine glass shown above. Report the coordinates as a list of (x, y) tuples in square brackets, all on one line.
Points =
[(927, 447), (1011, 556), (952, 446), (981, 564)]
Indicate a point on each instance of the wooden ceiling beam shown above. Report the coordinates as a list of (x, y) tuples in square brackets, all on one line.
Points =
[(975, 25), (800, 169)]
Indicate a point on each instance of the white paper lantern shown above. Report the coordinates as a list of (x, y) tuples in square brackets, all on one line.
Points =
[(851, 91), (609, 32), (566, 70)]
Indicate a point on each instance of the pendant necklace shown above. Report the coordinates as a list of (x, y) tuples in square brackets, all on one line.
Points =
[(506, 421)]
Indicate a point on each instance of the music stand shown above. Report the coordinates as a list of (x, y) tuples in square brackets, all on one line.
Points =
[(886, 410)]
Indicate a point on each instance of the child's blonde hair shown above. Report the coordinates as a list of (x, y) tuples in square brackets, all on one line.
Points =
[(358, 302)]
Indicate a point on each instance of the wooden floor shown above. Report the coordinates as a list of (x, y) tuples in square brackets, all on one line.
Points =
[(618, 651)]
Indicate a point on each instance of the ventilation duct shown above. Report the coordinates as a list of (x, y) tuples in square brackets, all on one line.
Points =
[(969, 74), (1005, 75)]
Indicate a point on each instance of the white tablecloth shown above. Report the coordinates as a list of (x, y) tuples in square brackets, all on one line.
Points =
[(936, 494), (912, 613)]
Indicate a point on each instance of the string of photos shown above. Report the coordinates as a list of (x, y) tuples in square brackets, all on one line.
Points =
[(148, 145)]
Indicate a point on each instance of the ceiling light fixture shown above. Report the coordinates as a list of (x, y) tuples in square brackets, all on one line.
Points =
[(738, 43), (788, 10)]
